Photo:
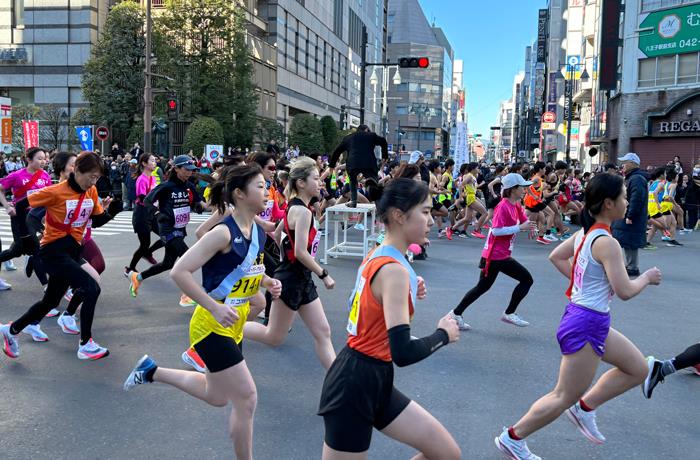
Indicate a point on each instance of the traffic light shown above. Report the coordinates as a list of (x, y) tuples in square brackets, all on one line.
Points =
[(172, 107), (414, 62)]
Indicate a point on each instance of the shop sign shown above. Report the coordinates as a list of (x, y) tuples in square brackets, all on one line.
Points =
[(672, 31), (685, 126)]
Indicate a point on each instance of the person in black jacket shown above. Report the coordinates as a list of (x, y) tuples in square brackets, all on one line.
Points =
[(360, 159), (631, 231), (692, 198)]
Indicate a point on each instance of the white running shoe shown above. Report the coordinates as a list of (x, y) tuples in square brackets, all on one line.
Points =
[(68, 295), (138, 375), (585, 422), (460, 321), (53, 313), (92, 351), (515, 450), (67, 323), (37, 334), (551, 238), (514, 319), (10, 346), (4, 285), (9, 266)]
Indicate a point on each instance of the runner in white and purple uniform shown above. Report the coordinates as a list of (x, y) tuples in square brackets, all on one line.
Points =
[(585, 336)]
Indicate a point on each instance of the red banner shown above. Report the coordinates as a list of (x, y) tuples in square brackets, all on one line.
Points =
[(31, 134)]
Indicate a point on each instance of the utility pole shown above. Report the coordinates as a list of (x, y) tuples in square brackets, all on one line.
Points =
[(147, 91), (363, 73)]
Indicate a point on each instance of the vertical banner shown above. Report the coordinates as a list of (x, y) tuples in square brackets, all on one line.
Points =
[(609, 44), (461, 154), (5, 125), (84, 134), (31, 134), (542, 35)]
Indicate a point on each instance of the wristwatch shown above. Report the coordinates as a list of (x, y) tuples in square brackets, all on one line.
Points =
[(323, 274)]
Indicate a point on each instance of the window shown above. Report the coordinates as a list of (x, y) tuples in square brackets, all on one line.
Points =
[(401, 110), (18, 14), (338, 18), (355, 26), (680, 69), (651, 5)]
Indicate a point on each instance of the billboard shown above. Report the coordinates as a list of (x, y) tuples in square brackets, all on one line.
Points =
[(5, 125)]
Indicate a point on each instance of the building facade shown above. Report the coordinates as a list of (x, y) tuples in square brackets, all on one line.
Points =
[(656, 112), (318, 55), (421, 106)]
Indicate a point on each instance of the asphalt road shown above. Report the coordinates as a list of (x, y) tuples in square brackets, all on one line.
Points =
[(57, 407)]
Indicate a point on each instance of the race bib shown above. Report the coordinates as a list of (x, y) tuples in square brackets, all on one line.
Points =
[(314, 244), (84, 212), (246, 287), (182, 216), (34, 190), (355, 308), (266, 215), (579, 269)]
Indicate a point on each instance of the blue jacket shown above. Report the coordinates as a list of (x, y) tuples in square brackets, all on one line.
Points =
[(633, 236)]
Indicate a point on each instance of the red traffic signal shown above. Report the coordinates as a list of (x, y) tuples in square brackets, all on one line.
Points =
[(414, 62), (172, 104), (172, 108)]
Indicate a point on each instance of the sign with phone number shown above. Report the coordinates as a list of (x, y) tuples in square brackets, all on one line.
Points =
[(672, 31)]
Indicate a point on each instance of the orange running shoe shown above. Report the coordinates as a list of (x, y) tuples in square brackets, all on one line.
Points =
[(135, 283), (191, 358)]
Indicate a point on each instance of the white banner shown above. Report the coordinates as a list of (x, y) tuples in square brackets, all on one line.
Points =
[(461, 154), (213, 152)]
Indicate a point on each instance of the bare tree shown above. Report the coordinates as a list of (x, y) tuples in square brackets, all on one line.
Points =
[(52, 126)]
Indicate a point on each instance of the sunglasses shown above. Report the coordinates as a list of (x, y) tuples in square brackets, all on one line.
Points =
[(271, 168)]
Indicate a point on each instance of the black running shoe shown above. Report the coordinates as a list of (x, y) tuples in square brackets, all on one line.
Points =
[(29, 266), (654, 377)]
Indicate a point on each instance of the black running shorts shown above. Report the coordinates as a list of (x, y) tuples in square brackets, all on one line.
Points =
[(358, 395), (219, 352), (539, 207), (297, 286)]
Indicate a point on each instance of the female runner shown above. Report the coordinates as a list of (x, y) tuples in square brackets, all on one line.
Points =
[(299, 245), (508, 220), (231, 258), (142, 217), (176, 197), (22, 183), (585, 336), (358, 392), (69, 205)]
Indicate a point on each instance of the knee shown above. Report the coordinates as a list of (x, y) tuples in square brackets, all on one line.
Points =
[(566, 399), (322, 333), (92, 289), (245, 404), (527, 281)]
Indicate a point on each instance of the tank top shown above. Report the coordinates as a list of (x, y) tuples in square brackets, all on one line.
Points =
[(589, 286), (314, 238), (219, 267), (531, 201), (469, 189), (372, 338)]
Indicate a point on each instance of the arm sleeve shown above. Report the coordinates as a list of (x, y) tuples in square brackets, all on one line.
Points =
[(153, 196), (100, 219), (406, 351), (502, 231)]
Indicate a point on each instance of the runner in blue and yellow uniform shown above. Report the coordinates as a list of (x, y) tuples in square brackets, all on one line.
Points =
[(231, 258)]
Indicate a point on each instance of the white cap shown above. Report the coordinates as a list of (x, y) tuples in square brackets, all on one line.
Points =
[(415, 156), (631, 157), (513, 179)]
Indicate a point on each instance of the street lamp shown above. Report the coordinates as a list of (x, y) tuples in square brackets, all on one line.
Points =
[(569, 94), (397, 77)]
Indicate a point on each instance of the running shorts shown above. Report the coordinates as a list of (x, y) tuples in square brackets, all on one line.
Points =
[(436, 205), (358, 395), (447, 203), (218, 352), (539, 207), (579, 326), (470, 199), (297, 286), (492, 202), (666, 208)]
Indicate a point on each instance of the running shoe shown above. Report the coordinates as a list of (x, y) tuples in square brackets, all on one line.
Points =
[(686, 230), (135, 283), (673, 243), (542, 240), (449, 233), (4, 285), (143, 367), (486, 226), (461, 324), (649, 247), (696, 369), (665, 238), (92, 351), (654, 377), (515, 450), (476, 234), (28, 266), (551, 238), (10, 346), (441, 234), (565, 236), (192, 359), (9, 266), (514, 319), (667, 234), (150, 259), (67, 324), (464, 235), (359, 227), (186, 302), (53, 313), (585, 422), (127, 272), (69, 295), (37, 334)]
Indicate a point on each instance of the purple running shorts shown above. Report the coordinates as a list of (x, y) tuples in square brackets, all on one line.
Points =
[(579, 326)]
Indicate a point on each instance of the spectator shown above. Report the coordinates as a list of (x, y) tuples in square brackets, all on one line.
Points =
[(610, 168), (116, 150), (130, 184), (273, 148), (136, 151), (692, 198), (632, 230)]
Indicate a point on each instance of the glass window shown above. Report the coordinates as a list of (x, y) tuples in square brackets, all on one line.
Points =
[(647, 73), (651, 5), (403, 87), (18, 13), (401, 110), (687, 68), (666, 71)]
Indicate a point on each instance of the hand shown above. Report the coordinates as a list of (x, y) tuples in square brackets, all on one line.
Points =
[(225, 315), (106, 202), (628, 221), (11, 211), (422, 291), (653, 275), (450, 326), (329, 282), (527, 226), (274, 287)]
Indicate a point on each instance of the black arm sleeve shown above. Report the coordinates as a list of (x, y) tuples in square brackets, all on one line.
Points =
[(21, 208), (335, 156), (405, 351), (114, 208)]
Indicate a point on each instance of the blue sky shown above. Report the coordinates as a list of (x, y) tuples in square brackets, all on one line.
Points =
[(490, 36)]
